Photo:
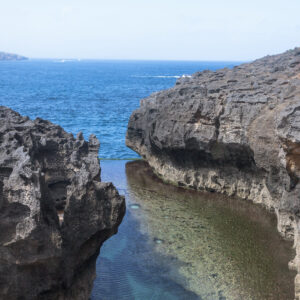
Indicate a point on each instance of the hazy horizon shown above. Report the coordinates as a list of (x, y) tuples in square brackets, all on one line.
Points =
[(66, 59), (140, 30)]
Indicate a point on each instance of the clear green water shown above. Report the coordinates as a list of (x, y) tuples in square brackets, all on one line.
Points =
[(180, 244)]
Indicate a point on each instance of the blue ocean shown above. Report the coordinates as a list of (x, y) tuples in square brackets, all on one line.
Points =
[(172, 243), (90, 96)]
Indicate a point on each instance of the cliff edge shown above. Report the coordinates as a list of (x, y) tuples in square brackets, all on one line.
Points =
[(55, 213), (233, 131)]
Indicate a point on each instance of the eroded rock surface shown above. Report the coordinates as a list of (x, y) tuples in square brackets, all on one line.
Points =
[(233, 131), (55, 213)]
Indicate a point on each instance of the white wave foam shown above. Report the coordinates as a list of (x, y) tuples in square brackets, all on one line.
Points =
[(158, 76), (66, 60), (162, 76)]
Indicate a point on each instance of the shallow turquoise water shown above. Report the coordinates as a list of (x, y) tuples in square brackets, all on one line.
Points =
[(128, 266), (180, 244)]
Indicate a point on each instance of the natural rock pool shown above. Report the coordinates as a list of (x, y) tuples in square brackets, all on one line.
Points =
[(180, 244)]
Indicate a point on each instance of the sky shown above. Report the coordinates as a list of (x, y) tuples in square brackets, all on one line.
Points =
[(231, 30)]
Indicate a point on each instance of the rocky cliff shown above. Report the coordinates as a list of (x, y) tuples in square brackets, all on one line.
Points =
[(233, 131), (11, 56), (55, 213)]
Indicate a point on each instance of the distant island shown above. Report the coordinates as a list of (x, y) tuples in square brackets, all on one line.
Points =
[(11, 56)]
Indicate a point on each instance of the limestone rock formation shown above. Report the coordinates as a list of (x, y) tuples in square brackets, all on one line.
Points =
[(55, 213), (233, 131)]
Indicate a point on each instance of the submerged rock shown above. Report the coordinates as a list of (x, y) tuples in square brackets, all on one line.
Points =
[(55, 213), (233, 131), (135, 206)]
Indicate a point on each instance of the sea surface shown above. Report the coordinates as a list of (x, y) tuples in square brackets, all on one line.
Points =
[(172, 243), (91, 96)]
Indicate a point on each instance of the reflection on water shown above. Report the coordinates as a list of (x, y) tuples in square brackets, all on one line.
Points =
[(180, 244)]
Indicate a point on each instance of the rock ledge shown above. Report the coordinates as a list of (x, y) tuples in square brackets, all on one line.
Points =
[(233, 131)]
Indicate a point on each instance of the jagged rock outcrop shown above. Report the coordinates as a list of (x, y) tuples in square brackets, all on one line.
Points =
[(55, 213), (11, 56), (233, 131)]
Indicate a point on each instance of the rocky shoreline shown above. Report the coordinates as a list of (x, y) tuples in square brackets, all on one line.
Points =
[(55, 212), (233, 131)]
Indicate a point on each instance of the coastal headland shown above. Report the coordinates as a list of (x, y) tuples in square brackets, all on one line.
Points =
[(232, 131)]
